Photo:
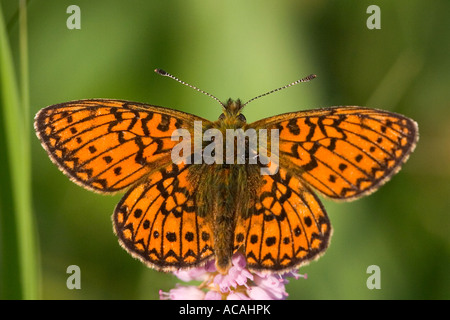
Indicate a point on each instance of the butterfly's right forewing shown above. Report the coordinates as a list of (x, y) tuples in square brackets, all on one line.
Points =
[(343, 152)]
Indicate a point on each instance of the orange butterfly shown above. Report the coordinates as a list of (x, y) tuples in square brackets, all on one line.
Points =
[(181, 215)]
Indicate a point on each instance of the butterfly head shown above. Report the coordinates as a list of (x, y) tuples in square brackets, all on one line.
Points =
[(232, 111)]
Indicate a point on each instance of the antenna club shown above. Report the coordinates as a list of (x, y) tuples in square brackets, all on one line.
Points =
[(166, 74), (161, 72), (305, 79)]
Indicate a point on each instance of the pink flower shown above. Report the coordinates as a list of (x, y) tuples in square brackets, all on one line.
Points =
[(183, 293), (238, 296), (238, 284), (237, 275), (191, 274), (268, 287), (213, 295)]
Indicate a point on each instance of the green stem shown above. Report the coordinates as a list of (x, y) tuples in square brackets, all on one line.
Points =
[(15, 124)]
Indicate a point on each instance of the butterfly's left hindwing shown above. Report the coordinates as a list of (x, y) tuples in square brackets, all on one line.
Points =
[(157, 221), (108, 145)]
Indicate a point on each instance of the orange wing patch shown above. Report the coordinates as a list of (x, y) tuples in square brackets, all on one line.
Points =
[(107, 145), (287, 226), (344, 152), (156, 221)]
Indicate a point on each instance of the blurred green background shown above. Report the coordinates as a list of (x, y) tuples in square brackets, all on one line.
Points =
[(240, 49)]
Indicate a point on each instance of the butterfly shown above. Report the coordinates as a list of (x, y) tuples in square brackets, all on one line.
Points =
[(181, 214)]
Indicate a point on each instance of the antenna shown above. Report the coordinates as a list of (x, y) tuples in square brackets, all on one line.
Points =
[(166, 74), (305, 79)]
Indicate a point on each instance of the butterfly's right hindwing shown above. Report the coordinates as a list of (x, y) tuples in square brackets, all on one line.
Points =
[(287, 227)]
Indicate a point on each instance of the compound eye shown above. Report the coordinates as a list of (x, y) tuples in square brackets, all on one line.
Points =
[(222, 116), (242, 117)]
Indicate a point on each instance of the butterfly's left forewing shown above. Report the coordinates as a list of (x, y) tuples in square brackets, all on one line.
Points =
[(108, 145)]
